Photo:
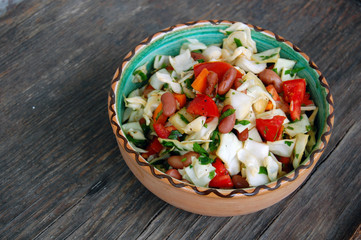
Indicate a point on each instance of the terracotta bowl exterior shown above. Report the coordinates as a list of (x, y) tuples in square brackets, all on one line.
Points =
[(209, 201)]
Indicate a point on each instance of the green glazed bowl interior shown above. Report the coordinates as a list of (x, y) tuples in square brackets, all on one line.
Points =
[(169, 41)]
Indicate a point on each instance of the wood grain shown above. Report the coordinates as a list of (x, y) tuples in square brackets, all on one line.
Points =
[(62, 175)]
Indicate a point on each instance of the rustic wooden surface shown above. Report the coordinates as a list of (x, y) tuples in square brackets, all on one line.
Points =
[(62, 175)]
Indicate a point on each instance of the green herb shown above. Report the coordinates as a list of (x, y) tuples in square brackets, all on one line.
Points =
[(165, 85), (238, 42), (215, 140), (204, 160), (188, 82), (275, 70), (265, 130), (288, 143), (174, 134), (164, 65), (227, 113), (243, 122), (200, 60), (197, 51), (263, 170), (145, 128), (297, 155), (291, 128), (141, 75), (229, 32), (183, 118), (233, 93), (159, 114), (212, 174), (184, 159), (268, 57), (221, 98), (168, 144), (294, 71), (308, 128), (251, 138), (137, 142), (205, 125), (197, 148)]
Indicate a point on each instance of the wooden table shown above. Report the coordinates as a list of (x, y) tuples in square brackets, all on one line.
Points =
[(62, 175)]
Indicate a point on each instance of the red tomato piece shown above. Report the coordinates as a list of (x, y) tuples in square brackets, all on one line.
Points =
[(222, 179), (218, 67), (204, 106), (270, 129), (154, 147), (306, 100), (160, 130), (294, 93)]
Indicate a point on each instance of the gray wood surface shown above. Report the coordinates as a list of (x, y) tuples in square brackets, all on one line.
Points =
[(62, 175)]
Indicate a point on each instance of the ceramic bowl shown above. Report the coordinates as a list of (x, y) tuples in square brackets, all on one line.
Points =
[(209, 201)]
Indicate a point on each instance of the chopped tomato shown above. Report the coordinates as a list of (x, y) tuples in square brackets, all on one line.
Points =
[(154, 147), (218, 67), (294, 93), (204, 106), (270, 129), (161, 131), (306, 100), (222, 178)]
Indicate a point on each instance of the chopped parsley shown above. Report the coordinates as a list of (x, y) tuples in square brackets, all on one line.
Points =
[(204, 158), (297, 155), (141, 75), (288, 143), (212, 174), (268, 57), (289, 127), (200, 60), (165, 85), (215, 140), (243, 122), (238, 42), (263, 170), (175, 134), (188, 82), (184, 159), (308, 128), (183, 118), (137, 142), (294, 71), (229, 32), (275, 70), (221, 98), (197, 51), (227, 113)]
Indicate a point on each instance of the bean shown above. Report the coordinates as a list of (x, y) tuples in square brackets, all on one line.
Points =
[(188, 157), (237, 83), (174, 174), (169, 104), (227, 81), (243, 136), (212, 80), (239, 181), (175, 162), (197, 56), (268, 76), (227, 123)]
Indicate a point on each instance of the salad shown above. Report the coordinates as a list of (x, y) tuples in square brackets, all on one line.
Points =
[(221, 116)]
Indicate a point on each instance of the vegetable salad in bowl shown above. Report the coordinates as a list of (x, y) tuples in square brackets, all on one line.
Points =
[(221, 115)]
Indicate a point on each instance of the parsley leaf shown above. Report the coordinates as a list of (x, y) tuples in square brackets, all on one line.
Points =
[(268, 57), (288, 143), (238, 42), (175, 134), (221, 98), (141, 75), (243, 122), (263, 170), (227, 113), (215, 141), (183, 118), (294, 71)]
